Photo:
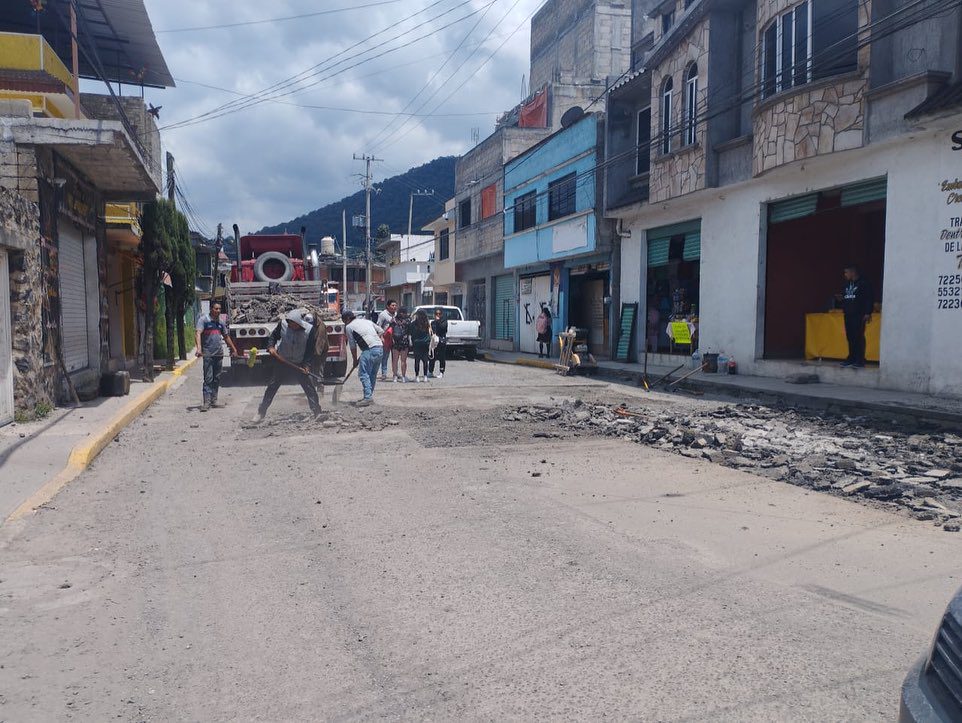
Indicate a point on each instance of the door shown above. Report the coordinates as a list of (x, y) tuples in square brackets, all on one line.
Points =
[(504, 308), (478, 310), (6, 344), (73, 298), (535, 294)]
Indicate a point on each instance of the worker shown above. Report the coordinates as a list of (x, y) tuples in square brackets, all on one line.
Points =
[(858, 302), (384, 320), (210, 335), (293, 347), (366, 335)]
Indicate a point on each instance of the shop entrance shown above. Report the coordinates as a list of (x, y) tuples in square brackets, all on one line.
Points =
[(586, 308), (811, 239), (674, 281), (534, 295)]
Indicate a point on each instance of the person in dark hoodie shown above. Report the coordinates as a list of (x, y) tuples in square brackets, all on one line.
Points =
[(292, 345), (858, 302)]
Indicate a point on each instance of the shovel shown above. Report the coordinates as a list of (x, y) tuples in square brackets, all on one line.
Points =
[(336, 394)]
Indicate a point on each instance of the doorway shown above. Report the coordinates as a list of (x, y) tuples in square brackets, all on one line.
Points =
[(6, 343), (534, 294), (587, 309)]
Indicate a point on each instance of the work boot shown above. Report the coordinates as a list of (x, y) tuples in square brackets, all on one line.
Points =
[(214, 404), (206, 405), (261, 413)]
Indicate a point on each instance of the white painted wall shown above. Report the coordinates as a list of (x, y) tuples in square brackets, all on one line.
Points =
[(921, 346)]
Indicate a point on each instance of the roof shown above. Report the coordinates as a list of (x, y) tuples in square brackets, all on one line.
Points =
[(116, 34), (947, 98)]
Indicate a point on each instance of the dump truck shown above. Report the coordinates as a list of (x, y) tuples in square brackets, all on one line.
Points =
[(273, 274)]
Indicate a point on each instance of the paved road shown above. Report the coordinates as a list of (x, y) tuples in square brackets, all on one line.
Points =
[(449, 565)]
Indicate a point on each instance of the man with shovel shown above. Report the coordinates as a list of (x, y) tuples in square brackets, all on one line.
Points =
[(365, 335), (211, 333), (293, 349)]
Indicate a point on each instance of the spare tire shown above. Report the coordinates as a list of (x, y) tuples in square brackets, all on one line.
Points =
[(273, 266)]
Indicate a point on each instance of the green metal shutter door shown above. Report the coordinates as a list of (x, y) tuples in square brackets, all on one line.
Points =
[(692, 246), (658, 252), (865, 192), (792, 208), (504, 307)]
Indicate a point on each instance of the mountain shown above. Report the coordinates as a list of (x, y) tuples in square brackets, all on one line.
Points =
[(390, 206)]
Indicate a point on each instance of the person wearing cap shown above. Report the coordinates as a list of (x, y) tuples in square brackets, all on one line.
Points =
[(365, 335), (292, 345)]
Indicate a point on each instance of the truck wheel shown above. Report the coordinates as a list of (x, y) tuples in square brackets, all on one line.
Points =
[(470, 353), (335, 370), (273, 266)]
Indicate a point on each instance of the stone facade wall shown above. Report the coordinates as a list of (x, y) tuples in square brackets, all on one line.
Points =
[(814, 119), (684, 169), (34, 380)]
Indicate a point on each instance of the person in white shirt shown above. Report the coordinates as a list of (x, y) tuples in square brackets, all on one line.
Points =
[(365, 335), (384, 320)]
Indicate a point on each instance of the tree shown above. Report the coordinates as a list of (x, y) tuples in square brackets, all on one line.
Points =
[(383, 232), (156, 250), (183, 275)]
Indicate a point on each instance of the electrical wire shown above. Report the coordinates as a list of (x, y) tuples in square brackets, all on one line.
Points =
[(276, 20)]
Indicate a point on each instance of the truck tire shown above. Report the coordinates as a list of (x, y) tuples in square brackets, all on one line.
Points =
[(335, 370), (273, 266), (470, 353)]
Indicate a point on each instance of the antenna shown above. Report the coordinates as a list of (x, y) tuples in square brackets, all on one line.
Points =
[(475, 135)]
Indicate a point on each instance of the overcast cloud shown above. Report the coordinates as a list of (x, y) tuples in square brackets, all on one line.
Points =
[(275, 161)]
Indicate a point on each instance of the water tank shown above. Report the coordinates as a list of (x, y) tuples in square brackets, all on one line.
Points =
[(327, 246)]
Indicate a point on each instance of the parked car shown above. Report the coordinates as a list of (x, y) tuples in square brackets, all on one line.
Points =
[(464, 336), (932, 691)]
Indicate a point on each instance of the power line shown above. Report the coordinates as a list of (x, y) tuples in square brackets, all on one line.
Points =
[(276, 20)]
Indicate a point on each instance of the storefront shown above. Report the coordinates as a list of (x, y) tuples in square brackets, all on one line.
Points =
[(588, 302), (534, 294), (673, 286)]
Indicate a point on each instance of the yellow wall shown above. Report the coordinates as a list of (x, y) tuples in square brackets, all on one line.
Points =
[(19, 51)]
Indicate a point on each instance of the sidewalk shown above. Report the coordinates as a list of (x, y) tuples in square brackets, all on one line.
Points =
[(820, 396), (37, 459)]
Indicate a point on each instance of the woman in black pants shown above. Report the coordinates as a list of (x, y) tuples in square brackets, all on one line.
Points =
[(439, 327), (420, 333)]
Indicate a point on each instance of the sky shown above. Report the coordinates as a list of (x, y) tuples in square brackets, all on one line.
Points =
[(275, 160)]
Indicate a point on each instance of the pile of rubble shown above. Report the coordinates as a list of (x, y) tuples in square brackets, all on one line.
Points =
[(920, 473), (265, 308)]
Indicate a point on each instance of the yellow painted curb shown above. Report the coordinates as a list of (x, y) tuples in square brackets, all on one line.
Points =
[(537, 363), (84, 453)]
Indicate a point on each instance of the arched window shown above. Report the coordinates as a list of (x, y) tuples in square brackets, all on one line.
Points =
[(666, 89), (691, 103)]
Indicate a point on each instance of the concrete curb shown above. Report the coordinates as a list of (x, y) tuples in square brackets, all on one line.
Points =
[(84, 453), (522, 362)]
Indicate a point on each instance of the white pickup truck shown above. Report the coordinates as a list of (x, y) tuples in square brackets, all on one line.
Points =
[(463, 336)]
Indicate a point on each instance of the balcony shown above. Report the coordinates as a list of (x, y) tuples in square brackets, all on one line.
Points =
[(31, 70), (123, 223)]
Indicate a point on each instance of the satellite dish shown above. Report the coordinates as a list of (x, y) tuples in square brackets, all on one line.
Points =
[(572, 116)]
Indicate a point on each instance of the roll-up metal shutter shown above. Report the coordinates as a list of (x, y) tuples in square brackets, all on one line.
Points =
[(692, 246), (73, 298), (865, 192), (504, 307), (659, 242), (658, 251), (792, 208)]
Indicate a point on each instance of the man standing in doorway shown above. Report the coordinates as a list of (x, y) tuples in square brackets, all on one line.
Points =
[(857, 303), (292, 345), (384, 320), (211, 333), (365, 335)]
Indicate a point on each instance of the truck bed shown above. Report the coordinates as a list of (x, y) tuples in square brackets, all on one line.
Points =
[(309, 291)]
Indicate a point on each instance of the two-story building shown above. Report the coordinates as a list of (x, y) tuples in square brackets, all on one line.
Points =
[(555, 240), (774, 144), (63, 158), (445, 288), (410, 259)]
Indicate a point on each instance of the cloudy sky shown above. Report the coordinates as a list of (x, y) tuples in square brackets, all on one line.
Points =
[(276, 159)]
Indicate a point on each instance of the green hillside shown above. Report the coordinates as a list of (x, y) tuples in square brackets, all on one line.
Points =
[(390, 206)]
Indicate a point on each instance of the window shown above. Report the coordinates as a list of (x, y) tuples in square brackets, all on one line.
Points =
[(811, 41), (666, 116), (561, 197), (667, 20), (444, 244), (488, 201), (643, 164), (525, 211), (464, 213), (691, 104)]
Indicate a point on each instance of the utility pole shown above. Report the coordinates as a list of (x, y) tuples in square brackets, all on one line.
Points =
[(216, 261), (171, 179), (418, 192), (344, 252), (74, 57), (368, 160)]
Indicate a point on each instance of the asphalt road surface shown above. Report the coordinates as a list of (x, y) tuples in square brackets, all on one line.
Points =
[(443, 564)]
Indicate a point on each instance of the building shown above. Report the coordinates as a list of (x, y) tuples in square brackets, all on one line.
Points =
[(556, 242), (759, 149), (442, 282), (409, 263), (63, 158)]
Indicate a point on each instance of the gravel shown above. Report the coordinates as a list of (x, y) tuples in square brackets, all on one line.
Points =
[(270, 307), (858, 457)]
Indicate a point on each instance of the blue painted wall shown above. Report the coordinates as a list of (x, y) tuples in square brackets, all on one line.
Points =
[(554, 158)]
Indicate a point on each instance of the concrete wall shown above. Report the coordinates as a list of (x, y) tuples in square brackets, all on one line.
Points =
[(921, 345), (102, 107)]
